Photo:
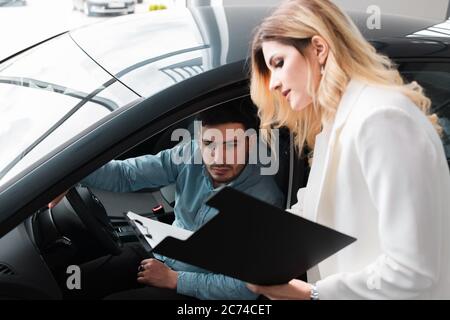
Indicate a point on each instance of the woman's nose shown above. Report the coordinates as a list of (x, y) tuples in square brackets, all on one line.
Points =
[(274, 83)]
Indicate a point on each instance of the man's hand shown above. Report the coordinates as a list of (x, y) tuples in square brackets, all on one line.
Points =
[(55, 201), (294, 290), (157, 274)]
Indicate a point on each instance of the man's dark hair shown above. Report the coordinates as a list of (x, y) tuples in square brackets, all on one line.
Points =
[(240, 110)]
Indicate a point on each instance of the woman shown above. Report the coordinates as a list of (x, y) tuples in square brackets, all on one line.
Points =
[(379, 171)]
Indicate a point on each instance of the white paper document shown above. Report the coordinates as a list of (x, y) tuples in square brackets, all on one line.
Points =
[(158, 231)]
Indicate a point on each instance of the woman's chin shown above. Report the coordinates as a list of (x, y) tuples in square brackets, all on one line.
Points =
[(298, 106)]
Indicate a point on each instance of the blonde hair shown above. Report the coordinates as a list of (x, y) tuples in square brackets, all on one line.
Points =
[(350, 56)]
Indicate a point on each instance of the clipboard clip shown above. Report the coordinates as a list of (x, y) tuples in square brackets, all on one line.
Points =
[(147, 233)]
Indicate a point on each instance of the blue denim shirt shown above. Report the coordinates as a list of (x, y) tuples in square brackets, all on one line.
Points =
[(193, 188)]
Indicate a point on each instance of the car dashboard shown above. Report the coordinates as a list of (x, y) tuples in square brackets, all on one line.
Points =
[(24, 273)]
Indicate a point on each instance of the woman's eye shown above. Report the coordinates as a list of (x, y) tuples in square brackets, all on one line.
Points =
[(279, 64)]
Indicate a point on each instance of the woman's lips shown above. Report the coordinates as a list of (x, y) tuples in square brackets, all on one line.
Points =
[(286, 94)]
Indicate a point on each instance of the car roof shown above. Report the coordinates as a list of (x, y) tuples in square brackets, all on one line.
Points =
[(225, 32)]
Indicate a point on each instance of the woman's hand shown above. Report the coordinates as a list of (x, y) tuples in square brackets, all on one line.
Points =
[(294, 290)]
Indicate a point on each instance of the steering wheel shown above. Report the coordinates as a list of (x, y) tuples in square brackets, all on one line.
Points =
[(93, 215)]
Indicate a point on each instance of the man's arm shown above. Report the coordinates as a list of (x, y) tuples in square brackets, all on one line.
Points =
[(133, 174), (206, 286), (210, 286)]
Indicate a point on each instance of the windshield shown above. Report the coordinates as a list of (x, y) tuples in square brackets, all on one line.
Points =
[(48, 95), (153, 51)]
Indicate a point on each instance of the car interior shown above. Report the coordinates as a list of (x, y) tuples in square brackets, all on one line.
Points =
[(88, 224)]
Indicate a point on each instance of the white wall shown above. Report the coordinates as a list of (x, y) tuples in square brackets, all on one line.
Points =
[(426, 9), (249, 2)]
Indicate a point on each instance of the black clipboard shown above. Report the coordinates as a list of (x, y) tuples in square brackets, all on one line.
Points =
[(254, 241)]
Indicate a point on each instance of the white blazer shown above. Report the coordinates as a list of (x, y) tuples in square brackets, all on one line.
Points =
[(383, 179)]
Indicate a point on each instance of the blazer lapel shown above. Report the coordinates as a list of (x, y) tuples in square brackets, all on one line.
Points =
[(348, 100)]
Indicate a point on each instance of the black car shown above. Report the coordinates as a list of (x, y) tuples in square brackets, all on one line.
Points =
[(118, 89)]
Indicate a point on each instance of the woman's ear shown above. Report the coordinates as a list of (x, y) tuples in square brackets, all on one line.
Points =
[(320, 49)]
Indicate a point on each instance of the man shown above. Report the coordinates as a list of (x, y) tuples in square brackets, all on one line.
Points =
[(223, 161)]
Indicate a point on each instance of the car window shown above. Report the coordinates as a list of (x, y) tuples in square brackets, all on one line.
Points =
[(48, 95), (435, 79)]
